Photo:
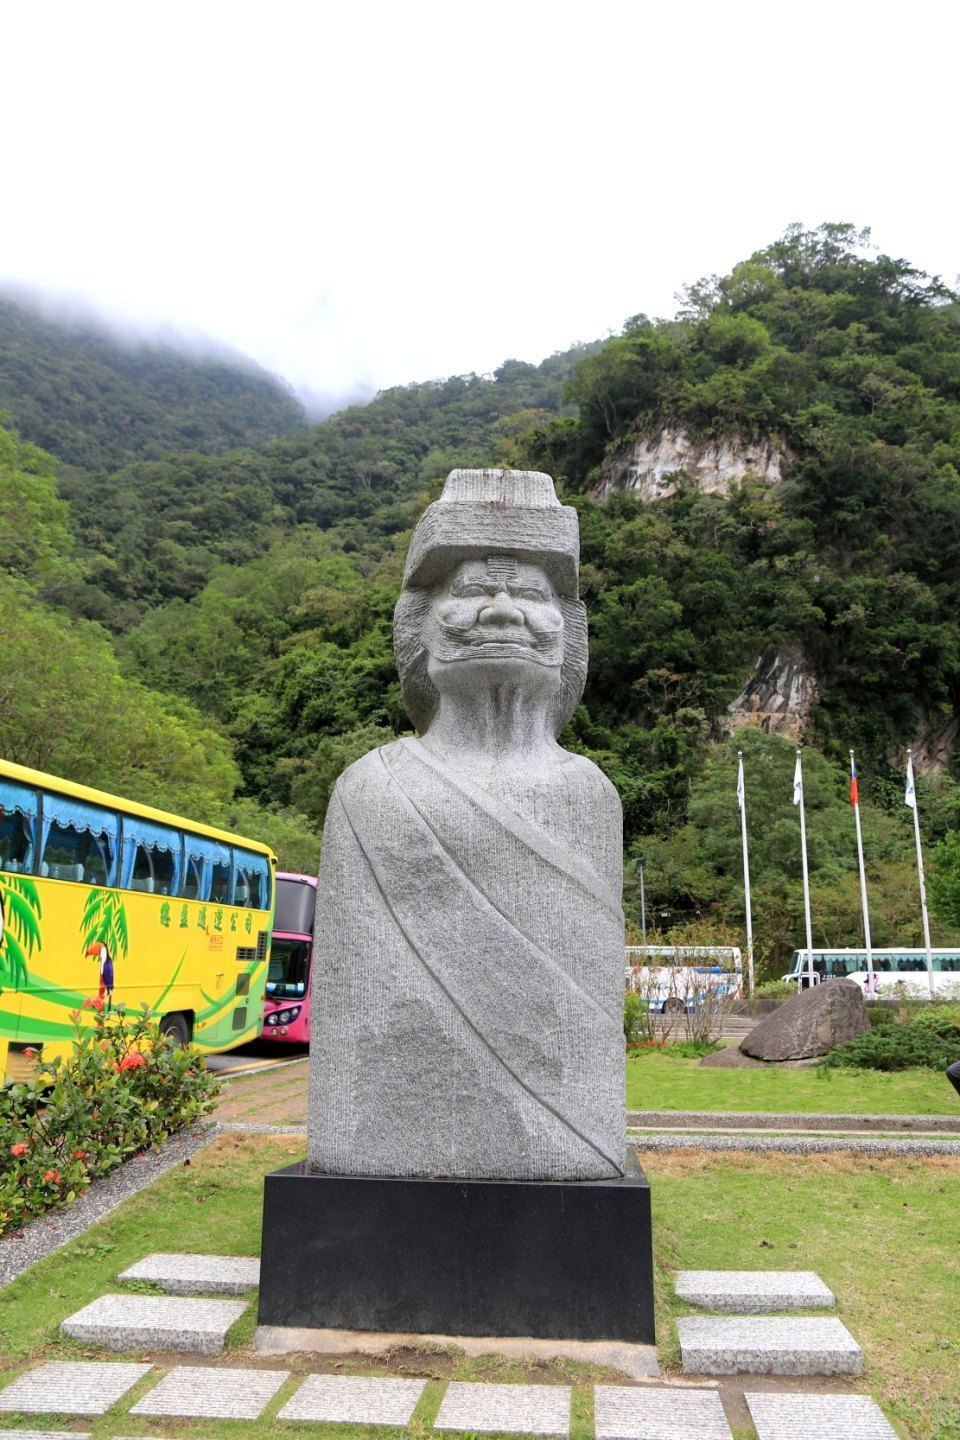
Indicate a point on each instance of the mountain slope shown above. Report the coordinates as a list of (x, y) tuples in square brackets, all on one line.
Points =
[(97, 403)]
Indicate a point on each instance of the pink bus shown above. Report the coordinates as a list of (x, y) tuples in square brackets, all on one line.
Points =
[(286, 1004)]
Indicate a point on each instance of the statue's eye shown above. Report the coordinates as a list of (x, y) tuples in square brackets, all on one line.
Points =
[(470, 590), (528, 593)]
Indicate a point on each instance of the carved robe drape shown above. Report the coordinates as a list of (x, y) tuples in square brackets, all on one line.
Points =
[(468, 976)]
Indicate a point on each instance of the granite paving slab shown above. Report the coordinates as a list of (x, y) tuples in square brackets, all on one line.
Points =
[(71, 1387), (819, 1417), (354, 1400), (641, 1412), (754, 1292), (155, 1322), (208, 1393), (44, 1435), (513, 1409), (197, 1274), (767, 1345)]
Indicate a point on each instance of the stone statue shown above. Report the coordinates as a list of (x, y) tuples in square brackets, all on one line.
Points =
[(468, 975)]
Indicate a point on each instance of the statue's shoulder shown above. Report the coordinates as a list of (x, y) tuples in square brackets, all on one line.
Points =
[(367, 773), (590, 778)]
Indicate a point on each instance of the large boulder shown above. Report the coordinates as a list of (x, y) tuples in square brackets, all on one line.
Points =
[(811, 1024)]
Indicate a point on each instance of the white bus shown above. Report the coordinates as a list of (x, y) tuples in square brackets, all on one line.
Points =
[(892, 968), (676, 978)]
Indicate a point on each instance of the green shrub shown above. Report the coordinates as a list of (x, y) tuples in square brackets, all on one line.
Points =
[(901, 1047), (881, 1017), (124, 1088), (942, 1020), (775, 990), (635, 1021)]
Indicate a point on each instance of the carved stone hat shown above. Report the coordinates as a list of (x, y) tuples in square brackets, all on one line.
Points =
[(508, 512), (481, 513)]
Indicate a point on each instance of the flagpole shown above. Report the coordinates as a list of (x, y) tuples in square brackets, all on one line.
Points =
[(742, 798), (855, 802), (798, 800), (911, 800)]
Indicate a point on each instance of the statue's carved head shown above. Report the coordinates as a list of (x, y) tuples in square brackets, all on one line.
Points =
[(490, 588)]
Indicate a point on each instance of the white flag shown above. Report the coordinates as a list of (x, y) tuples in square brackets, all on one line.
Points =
[(740, 785), (797, 783), (910, 798)]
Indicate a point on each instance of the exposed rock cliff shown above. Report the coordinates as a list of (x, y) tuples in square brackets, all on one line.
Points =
[(932, 746), (778, 697), (653, 464)]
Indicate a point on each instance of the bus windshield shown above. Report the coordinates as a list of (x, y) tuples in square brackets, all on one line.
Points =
[(289, 969)]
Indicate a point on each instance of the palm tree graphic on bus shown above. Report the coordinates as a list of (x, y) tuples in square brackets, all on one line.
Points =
[(105, 935), (20, 916)]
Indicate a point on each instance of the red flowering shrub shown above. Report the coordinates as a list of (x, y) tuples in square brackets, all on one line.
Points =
[(123, 1089)]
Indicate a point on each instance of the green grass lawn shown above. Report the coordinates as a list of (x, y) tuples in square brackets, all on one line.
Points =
[(666, 1082), (882, 1233)]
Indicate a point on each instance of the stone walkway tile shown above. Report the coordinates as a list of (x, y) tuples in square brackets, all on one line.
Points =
[(513, 1409), (44, 1435), (197, 1274), (819, 1417), (208, 1393), (354, 1400), (754, 1292), (155, 1322), (767, 1345), (71, 1387), (642, 1412)]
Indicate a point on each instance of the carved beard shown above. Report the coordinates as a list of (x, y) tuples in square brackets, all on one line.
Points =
[(472, 642)]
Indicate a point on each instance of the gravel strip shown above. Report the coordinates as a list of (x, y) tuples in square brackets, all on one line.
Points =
[(48, 1233), (246, 1127), (799, 1146), (767, 1120)]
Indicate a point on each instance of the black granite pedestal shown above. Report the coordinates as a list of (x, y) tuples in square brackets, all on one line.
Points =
[(565, 1260)]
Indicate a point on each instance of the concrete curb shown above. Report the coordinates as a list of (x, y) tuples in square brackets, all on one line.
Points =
[(783, 1145)]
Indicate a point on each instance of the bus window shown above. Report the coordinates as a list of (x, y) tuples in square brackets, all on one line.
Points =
[(842, 965), (289, 969), (208, 869), (192, 876), (910, 963), (18, 827), (79, 842), (151, 857), (252, 881), (220, 883)]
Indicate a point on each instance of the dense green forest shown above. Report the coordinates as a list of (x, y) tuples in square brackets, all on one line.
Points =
[(96, 402), (239, 605)]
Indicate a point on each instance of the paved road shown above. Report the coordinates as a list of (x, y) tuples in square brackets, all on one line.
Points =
[(259, 1055)]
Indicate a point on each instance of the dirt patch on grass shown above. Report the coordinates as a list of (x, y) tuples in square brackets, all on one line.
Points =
[(688, 1162), (235, 1148)]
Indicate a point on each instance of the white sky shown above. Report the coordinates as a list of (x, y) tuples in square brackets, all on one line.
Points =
[(372, 193)]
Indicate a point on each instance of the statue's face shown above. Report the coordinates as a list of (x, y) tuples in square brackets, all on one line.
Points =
[(499, 612)]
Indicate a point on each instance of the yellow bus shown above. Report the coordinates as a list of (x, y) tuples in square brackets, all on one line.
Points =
[(104, 898)]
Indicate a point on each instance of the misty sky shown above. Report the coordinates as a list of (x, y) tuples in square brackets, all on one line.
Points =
[(360, 195)]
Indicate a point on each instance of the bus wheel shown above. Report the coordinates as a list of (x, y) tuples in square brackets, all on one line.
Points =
[(177, 1030), (674, 1006)]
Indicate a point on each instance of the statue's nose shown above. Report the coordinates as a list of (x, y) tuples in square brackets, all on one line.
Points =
[(500, 609)]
